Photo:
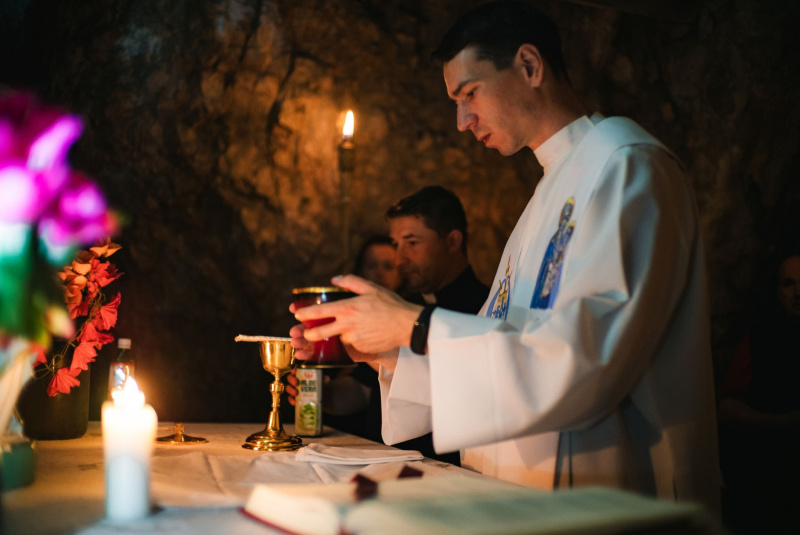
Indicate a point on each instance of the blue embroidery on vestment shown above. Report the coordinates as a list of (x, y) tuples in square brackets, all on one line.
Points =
[(498, 308), (544, 295)]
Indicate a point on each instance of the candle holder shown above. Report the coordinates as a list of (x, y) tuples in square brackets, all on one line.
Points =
[(347, 164), (277, 357), (178, 437), (347, 156)]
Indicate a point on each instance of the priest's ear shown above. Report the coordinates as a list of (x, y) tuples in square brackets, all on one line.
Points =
[(532, 64), (455, 241)]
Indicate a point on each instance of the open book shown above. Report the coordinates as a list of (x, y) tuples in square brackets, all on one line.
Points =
[(465, 505)]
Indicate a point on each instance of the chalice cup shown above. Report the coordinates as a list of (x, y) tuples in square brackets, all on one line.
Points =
[(277, 357), (328, 352)]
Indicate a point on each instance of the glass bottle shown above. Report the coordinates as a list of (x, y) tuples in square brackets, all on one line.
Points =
[(122, 368)]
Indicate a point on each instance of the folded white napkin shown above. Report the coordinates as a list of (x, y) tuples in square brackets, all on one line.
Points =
[(320, 453)]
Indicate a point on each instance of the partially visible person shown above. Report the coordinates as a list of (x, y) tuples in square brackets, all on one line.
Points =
[(429, 230), (759, 415), (376, 262)]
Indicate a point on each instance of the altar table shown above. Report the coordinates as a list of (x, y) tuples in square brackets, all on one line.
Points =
[(199, 488), (67, 495)]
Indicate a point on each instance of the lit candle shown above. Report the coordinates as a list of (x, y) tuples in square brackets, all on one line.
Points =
[(129, 432), (349, 126)]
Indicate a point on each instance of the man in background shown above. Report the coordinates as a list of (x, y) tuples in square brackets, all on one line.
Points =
[(429, 232)]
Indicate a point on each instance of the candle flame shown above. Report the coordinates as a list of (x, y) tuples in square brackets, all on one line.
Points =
[(349, 125), (130, 396)]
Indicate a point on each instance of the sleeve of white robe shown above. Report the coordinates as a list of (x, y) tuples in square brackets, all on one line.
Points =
[(625, 270), (406, 412)]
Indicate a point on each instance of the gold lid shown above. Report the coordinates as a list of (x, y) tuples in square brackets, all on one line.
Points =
[(318, 290)]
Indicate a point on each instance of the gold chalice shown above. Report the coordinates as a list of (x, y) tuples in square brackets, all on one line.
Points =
[(277, 357)]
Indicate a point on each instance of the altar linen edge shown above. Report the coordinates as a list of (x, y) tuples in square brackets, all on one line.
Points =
[(322, 453)]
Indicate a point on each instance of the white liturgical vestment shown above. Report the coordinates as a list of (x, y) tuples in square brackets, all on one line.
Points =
[(590, 362)]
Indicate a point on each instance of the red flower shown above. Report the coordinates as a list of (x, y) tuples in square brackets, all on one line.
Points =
[(107, 316), (62, 381), (83, 355), (41, 356), (90, 334), (83, 281), (105, 249)]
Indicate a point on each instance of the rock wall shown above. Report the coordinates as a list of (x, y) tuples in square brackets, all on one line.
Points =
[(213, 127)]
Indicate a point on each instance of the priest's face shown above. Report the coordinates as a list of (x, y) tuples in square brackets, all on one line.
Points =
[(421, 255), (494, 104)]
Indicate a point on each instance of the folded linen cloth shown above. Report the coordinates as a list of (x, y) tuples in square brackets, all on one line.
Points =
[(320, 453)]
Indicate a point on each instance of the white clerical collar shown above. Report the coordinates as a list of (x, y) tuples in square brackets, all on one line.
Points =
[(562, 142)]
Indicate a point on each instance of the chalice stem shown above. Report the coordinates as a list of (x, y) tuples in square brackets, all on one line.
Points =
[(274, 426)]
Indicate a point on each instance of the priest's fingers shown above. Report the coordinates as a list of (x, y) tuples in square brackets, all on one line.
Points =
[(304, 354), (387, 359), (304, 349), (358, 356), (316, 312), (291, 387), (291, 378), (296, 332), (356, 284)]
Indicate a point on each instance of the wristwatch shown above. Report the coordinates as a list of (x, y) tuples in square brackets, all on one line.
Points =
[(419, 336)]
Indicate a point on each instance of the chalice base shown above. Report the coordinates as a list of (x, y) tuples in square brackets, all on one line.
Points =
[(268, 441)]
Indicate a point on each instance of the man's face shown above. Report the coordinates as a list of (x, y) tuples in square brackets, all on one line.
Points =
[(789, 286), (421, 254), (494, 105)]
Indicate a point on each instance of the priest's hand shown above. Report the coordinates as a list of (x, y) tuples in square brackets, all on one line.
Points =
[(374, 322), (303, 349), (387, 359)]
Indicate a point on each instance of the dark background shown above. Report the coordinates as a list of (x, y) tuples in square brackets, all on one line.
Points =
[(213, 127)]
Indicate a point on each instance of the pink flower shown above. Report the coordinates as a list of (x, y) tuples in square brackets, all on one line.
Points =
[(34, 141), (20, 198), (36, 183)]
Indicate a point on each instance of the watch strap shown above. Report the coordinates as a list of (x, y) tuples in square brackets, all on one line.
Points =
[(419, 335)]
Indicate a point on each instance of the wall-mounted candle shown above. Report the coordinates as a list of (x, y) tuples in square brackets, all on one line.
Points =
[(129, 432), (347, 148)]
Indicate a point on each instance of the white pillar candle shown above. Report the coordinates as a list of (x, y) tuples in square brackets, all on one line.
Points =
[(129, 432)]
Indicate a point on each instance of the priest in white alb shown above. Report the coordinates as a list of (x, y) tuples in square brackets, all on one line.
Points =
[(590, 362)]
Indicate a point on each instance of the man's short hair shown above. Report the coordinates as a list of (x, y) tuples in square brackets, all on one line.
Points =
[(439, 208), (497, 30)]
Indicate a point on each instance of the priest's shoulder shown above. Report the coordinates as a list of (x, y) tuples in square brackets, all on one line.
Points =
[(618, 132)]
